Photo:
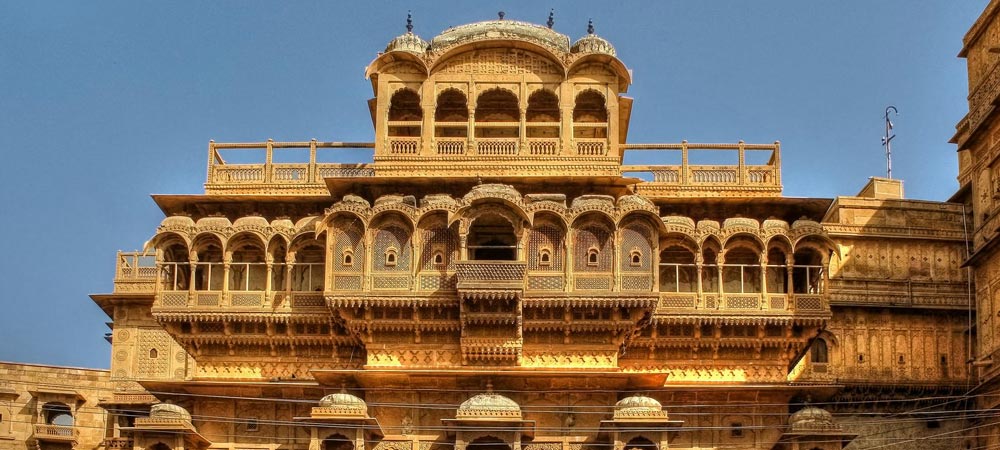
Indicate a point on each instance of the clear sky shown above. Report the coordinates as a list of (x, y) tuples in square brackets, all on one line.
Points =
[(103, 103)]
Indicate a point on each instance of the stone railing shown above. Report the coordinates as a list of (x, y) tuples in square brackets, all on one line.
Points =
[(497, 146), (166, 301), (46, 432), (543, 146), (135, 272), (403, 145), (300, 177), (450, 145), (591, 147), (490, 274), (712, 302), (709, 179)]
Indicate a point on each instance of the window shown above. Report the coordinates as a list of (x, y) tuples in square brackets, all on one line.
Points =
[(348, 259), (153, 353), (819, 352), (592, 255), (390, 257), (861, 358), (438, 259), (736, 429), (253, 425), (544, 257), (635, 258), (902, 359)]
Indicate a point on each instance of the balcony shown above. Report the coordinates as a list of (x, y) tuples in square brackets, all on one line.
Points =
[(135, 272), (304, 177), (237, 301), (490, 275), (759, 177), (56, 433)]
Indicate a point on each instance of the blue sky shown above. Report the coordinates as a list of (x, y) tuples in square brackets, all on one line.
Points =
[(103, 103)]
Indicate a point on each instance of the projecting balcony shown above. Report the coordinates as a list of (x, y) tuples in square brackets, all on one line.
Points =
[(490, 275), (755, 173), (135, 272), (56, 433)]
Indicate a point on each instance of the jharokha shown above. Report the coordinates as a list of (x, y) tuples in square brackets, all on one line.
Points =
[(498, 278)]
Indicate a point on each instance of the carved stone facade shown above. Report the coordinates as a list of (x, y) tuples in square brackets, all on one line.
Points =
[(498, 278)]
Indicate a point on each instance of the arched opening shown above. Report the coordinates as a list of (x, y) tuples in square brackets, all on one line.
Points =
[(158, 446), (209, 271), (542, 115), (590, 116), (497, 114), (818, 354), (491, 237), (337, 442), (807, 273), (440, 244), (451, 115), (175, 268), (640, 443), (405, 111), (487, 443), (678, 272), (248, 269), (594, 247), (741, 272), (348, 245), (309, 267), (392, 247), (777, 271), (545, 245), (56, 413)]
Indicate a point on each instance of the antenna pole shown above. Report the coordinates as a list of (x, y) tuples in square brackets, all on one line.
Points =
[(887, 140)]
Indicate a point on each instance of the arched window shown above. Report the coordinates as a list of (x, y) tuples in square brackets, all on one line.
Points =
[(542, 115), (741, 271), (57, 414), (590, 115), (819, 352), (635, 258), (777, 272), (348, 258), (491, 237), (153, 354), (338, 442), (451, 107), (593, 255), (499, 107), (678, 272), (404, 106), (390, 257), (545, 257), (438, 259), (807, 273)]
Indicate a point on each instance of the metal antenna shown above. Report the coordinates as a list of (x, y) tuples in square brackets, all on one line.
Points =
[(887, 140)]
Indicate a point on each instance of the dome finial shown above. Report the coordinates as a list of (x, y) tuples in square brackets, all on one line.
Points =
[(590, 26), (552, 18), (501, 14), (409, 22)]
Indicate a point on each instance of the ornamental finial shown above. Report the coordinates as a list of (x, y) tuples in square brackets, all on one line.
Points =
[(590, 26), (552, 18), (409, 22), (501, 14)]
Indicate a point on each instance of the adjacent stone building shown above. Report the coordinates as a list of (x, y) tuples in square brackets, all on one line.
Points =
[(498, 278)]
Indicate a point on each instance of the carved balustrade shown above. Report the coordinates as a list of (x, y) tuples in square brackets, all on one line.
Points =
[(497, 146), (714, 302), (118, 443), (135, 272), (237, 301), (300, 177), (451, 145), (711, 179), (503, 275), (56, 433), (404, 145)]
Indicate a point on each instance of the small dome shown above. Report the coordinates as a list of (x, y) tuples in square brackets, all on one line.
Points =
[(407, 42), (168, 411), (811, 418), (343, 400), (638, 406), (489, 406), (592, 43)]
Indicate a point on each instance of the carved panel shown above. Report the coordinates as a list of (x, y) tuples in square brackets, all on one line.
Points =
[(499, 62)]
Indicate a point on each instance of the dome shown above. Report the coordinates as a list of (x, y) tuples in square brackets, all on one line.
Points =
[(592, 43), (500, 30), (343, 400), (407, 42), (811, 418), (489, 406), (168, 411), (638, 406)]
